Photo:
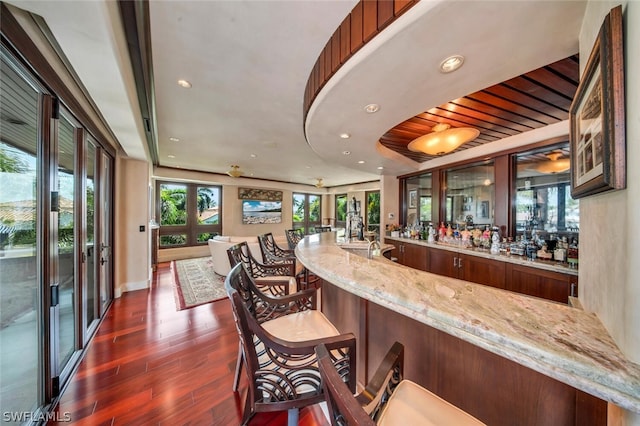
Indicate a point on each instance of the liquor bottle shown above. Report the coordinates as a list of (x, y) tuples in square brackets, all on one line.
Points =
[(572, 254)]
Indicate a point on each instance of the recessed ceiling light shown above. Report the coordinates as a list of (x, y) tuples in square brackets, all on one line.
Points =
[(253, 156), (380, 168), (184, 83), (361, 162), (172, 139), (171, 156), (308, 167), (451, 63), (346, 152), (345, 135), (371, 108)]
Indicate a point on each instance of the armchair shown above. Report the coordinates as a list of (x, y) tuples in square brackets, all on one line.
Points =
[(279, 353), (387, 399)]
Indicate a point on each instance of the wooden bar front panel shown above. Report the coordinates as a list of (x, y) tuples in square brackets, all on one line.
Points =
[(494, 389)]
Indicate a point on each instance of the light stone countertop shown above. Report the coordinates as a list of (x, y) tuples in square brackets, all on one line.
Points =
[(518, 260), (565, 343)]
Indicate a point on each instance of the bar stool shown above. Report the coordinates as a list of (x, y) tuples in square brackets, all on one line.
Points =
[(387, 399), (278, 352)]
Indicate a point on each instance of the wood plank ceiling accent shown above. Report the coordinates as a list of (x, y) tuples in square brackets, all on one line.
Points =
[(529, 101)]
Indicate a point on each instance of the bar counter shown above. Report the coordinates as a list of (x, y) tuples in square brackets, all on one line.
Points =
[(558, 341)]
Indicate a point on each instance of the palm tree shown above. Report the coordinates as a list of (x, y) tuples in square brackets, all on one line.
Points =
[(206, 199), (173, 206), (11, 163)]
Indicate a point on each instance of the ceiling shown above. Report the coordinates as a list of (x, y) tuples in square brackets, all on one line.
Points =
[(248, 63)]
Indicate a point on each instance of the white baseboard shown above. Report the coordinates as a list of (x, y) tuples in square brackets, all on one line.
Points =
[(131, 286)]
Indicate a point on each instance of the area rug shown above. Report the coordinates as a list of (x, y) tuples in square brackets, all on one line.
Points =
[(196, 283)]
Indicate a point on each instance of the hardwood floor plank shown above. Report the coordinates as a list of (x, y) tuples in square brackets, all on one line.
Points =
[(150, 364)]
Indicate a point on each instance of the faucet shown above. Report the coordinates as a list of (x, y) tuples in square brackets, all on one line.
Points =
[(373, 249)]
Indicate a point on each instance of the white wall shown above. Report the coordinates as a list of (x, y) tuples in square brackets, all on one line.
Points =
[(609, 249), (131, 254), (389, 196)]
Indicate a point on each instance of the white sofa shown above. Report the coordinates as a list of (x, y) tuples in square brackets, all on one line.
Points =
[(218, 246)]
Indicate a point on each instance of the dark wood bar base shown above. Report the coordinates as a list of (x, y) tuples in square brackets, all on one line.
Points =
[(494, 389)]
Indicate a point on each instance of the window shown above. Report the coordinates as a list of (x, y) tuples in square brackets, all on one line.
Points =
[(373, 211), (190, 213), (307, 209), (543, 195), (341, 210)]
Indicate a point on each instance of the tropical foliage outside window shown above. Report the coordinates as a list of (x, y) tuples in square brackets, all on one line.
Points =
[(307, 209), (373, 211), (189, 213), (341, 210)]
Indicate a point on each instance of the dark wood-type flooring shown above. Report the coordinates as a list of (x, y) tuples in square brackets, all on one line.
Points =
[(152, 365)]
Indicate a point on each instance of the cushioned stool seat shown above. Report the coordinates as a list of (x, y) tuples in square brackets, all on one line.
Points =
[(411, 404), (301, 326), (275, 279)]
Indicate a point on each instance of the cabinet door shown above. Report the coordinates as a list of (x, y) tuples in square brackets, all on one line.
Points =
[(415, 256), (482, 271), (441, 262), (539, 282)]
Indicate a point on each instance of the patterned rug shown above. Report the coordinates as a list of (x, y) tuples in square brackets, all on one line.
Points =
[(196, 283)]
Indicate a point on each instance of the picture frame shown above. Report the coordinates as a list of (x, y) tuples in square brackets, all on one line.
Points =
[(483, 209), (597, 139), (413, 199)]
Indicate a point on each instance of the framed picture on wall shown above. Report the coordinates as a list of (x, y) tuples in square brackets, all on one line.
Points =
[(483, 210), (597, 117), (413, 199)]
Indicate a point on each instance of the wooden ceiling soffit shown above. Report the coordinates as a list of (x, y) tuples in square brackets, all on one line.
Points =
[(530, 101)]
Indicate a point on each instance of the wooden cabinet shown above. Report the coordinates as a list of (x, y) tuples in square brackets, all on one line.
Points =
[(497, 273), (411, 255), (541, 283), (466, 267), (443, 262), (482, 271)]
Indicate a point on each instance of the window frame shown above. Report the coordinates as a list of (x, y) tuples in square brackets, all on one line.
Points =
[(306, 224), (191, 229)]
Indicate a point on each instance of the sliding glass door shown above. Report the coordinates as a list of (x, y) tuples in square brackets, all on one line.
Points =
[(55, 242), (21, 291)]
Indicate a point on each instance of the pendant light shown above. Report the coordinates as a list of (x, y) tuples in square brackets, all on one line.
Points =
[(555, 164), (235, 171), (443, 139)]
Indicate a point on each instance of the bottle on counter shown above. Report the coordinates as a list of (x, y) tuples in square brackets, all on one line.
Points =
[(572, 254), (432, 233), (442, 231)]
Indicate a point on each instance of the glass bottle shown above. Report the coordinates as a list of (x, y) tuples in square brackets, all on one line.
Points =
[(572, 254)]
